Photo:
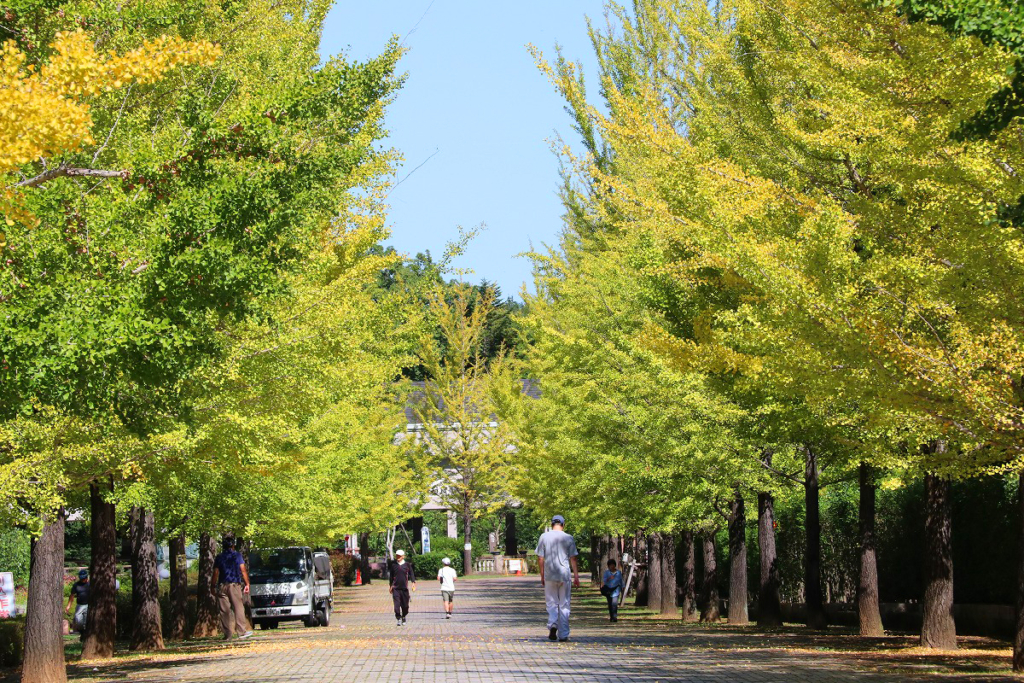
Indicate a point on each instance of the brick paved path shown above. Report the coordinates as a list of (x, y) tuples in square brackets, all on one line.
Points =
[(497, 634)]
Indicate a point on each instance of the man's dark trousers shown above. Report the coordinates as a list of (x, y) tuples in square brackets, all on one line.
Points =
[(401, 599)]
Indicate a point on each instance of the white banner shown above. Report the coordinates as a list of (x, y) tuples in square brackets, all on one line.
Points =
[(6, 595)]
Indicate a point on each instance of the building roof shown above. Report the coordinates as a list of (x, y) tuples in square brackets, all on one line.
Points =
[(531, 388)]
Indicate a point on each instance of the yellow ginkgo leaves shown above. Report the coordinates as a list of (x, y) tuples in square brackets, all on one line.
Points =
[(44, 111)]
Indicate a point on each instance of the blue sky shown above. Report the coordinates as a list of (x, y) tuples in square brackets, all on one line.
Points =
[(475, 97)]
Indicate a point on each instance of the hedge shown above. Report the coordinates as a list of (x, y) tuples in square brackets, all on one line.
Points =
[(12, 637), (428, 565), (344, 568)]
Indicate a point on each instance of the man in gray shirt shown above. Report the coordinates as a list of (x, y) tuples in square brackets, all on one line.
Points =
[(557, 553)]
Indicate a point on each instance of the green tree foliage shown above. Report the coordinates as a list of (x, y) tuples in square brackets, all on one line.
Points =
[(850, 259), (417, 280), (999, 22), (126, 295), (14, 554)]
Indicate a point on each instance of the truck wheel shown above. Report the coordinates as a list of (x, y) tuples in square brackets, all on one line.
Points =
[(324, 616), (265, 625)]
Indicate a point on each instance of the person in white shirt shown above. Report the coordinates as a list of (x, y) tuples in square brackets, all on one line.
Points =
[(446, 575)]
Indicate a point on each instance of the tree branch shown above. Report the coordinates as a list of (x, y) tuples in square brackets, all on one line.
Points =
[(72, 172), (113, 127), (790, 477)]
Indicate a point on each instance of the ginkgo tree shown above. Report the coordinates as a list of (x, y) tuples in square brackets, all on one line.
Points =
[(787, 147), (120, 291), (463, 451)]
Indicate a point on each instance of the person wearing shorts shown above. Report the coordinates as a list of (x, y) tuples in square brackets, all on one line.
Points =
[(447, 575), (80, 596)]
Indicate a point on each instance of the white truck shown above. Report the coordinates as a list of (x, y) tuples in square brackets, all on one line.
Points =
[(290, 584)]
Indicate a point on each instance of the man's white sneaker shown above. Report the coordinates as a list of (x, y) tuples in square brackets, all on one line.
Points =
[(247, 634)]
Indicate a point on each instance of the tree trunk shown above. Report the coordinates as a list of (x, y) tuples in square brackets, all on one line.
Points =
[(146, 632), (868, 613), (1018, 636), (938, 629), (44, 644), (415, 524), (769, 606), (595, 557), (126, 543), (511, 540), (738, 561), (816, 618), (688, 579), (709, 611), (101, 624), (642, 583), (467, 539), (206, 602), (606, 545), (668, 574), (655, 582), (364, 557), (179, 586)]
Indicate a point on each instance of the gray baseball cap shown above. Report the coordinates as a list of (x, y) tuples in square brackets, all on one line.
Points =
[(558, 519)]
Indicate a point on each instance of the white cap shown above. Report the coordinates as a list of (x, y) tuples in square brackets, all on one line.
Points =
[(446, 561), (399, 553)]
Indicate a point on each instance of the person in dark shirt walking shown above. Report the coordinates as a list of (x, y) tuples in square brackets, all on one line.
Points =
[(402, 575), (231, 577), (80, 596)]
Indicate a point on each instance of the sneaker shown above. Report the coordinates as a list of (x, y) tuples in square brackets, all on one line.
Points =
[(562, 640), (403, 621), (553, 633), (399, 622), (247, 634), (447, 616)]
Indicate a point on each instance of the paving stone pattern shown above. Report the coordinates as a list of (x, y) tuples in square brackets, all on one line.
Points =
[(497, 634)]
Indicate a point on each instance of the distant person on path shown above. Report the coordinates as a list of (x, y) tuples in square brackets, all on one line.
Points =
[(611, 587), (402, 575), (80, 596), (557, 554), (446, 575), (231, 577)]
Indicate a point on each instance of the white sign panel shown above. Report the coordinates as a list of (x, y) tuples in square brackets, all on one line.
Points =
[(6, 595), (426, 539), (515, 565)]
